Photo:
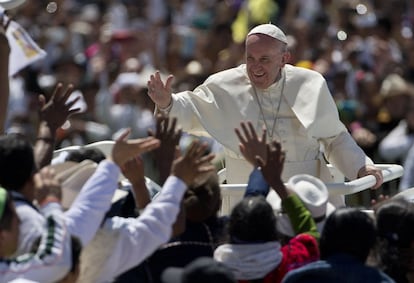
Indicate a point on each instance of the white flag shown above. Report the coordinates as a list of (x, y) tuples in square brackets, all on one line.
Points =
[(23, 50)]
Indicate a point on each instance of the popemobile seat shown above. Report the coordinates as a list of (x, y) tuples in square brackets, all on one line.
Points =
[(233, 193)]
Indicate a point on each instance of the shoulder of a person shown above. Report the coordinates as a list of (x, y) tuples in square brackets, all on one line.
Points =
[(228, 74), (303, 244), (301, 73)]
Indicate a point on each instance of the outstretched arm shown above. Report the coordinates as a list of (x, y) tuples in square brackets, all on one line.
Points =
[(52, 116), (85, 215), (272, 169), (169, 136), (133, 170), (299, 216), (140, 237), (250, 144), (160, 93)]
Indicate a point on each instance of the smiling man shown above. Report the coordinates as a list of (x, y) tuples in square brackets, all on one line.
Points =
[(292, 104)]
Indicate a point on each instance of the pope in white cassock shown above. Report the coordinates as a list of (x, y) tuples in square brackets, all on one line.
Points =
[(293, 104)]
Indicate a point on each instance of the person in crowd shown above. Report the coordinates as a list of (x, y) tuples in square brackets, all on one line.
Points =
[(293, 104), (123, 243), (347, 238), (201, 270), (395, 219), (201, 229), (52, 260), (313, 193), (254, 251), (398, 99), (83, 218)]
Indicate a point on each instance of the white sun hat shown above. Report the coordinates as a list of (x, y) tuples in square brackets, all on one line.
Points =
[(11, 4), (314, 195), (269, 30)]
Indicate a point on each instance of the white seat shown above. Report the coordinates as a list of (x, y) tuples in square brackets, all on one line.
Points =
[(233, 193), (105, 146)]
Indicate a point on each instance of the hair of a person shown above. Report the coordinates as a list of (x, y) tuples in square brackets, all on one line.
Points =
[(395, 226), (8, 213), (348, 231), (76, 249), (17, 164), (252, 220), (203, 200), (94, 154)]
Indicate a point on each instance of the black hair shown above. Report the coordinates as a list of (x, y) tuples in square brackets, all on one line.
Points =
[(348, 231), (76, 249), (80, 155), (252, 221), (17, 164), (203, 201), (395, 225)]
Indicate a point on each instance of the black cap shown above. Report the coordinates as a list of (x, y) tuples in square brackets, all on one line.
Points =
[(201, 270)]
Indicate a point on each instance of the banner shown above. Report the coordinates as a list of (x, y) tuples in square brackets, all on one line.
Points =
[(23, 50)]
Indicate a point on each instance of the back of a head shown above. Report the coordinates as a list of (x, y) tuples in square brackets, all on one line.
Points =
[(201, 270), (395, 226), (80, 155), (203, 200), (17, 163), (348, 231), (252, 220), (395, 221)]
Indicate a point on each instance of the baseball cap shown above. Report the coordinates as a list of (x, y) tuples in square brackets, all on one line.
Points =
[(201, 270), (269, 30)]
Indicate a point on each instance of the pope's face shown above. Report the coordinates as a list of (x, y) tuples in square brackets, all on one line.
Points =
[(265, 56)]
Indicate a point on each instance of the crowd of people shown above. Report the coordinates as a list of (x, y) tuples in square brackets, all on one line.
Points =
[(270, 90)]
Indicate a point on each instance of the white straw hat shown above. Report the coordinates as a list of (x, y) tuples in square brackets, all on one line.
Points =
[(269, 30), (11, 4), (314, 195)]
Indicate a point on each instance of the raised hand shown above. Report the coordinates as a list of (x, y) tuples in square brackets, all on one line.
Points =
[(273, 168), (159, 92), (47, 186), (133, 170), (125, 149), (169, 136), (57, 110), (52, 115), (193, 163), (250, 144)]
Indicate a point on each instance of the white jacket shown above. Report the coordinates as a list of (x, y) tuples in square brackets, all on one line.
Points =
[(52, 260)]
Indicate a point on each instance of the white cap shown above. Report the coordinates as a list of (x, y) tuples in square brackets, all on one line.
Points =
[(270, 30), (314, 195), (11, 4)]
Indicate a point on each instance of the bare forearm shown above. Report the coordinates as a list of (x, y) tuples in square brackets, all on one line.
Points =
[(141, 194), (45, 145), (280, 188)]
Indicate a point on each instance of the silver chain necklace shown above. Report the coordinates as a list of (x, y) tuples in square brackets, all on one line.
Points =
[(276, 115)]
